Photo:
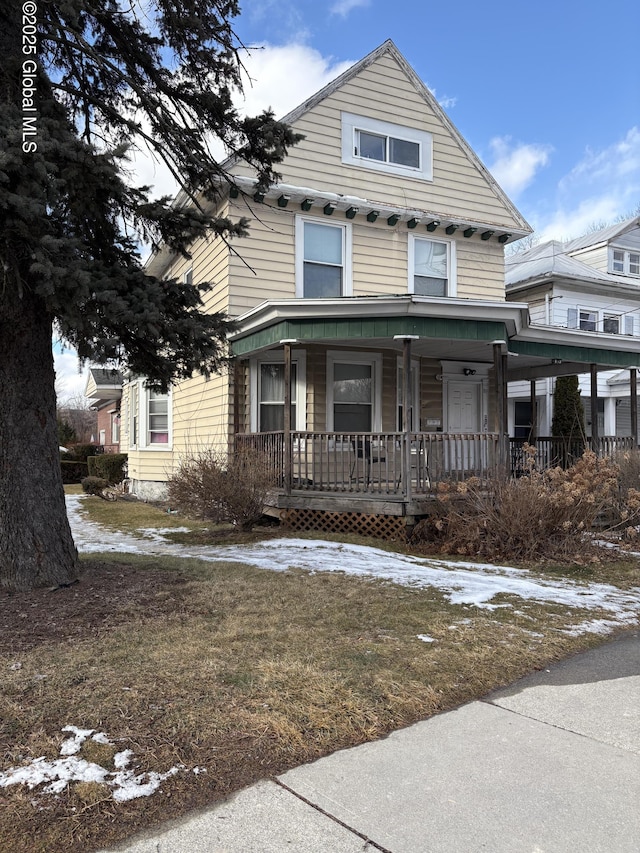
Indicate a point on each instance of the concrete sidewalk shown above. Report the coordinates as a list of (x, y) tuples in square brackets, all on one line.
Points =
[(548, 765)]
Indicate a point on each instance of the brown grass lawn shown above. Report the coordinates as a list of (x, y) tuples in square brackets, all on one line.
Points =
[(237, 672)]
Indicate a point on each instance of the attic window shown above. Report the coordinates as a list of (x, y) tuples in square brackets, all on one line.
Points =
[(386, 147)]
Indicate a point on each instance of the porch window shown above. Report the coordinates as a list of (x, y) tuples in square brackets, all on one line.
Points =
[(323, 260), (157, 418), (352, 397), (523, 419), (430, 267), (271, 397)]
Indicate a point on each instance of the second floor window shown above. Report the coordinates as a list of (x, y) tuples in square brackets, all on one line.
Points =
[(625, 262), (429, 268), (322, 260)]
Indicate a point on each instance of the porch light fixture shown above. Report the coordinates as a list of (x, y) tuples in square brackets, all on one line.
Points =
[(373, 215), (486, 235), (329, 207), (431, 226), (413, 222), (306, 204), (351, 212), (284, 200), (468, 371), (393, 219), (469, 232), (503, 238), (234, 192), (451, 229), (556, 361)]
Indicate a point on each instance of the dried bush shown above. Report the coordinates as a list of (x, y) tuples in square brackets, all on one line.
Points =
[(624, 512), (541, 514), (209, 486)]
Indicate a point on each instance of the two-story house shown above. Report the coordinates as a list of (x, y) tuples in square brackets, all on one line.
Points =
[(374, 339), (591, 284)]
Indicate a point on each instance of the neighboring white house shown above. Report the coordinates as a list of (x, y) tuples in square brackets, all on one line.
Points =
[(591, 284)]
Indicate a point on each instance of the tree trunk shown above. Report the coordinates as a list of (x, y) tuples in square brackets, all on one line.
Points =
[(36, 546)]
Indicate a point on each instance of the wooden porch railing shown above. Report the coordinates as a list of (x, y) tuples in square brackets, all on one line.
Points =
[(552, 451), (375, 463)]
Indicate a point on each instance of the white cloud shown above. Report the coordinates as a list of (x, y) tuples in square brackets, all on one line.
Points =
[(71, 380), (515, 165), (343, 7), (602, 187), (284, 76)]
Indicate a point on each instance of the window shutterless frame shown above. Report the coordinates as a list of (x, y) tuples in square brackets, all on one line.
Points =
[(323, 259), (387, 147), (432, 267)]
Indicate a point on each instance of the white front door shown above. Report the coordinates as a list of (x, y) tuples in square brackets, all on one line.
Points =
[(463, 407), (463, 416)]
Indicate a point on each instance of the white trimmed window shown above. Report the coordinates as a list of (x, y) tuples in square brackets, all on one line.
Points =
[(625, 262), (592, 320), (353, 392), (157, 418), (431, 267), (323, 259), (149, 418), (267, 392), (387, 147)]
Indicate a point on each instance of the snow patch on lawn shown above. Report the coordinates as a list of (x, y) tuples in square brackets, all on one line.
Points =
[(55, 775)]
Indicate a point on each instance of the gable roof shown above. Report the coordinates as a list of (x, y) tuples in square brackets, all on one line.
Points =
[(388, 47), (604, 235), (548, 260)]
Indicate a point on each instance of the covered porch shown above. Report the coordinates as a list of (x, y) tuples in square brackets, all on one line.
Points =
[(369, 404)]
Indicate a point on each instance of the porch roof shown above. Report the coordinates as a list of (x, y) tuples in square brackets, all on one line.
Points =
[(444, 329)]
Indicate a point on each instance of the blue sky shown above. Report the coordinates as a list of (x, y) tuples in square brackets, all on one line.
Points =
[(547, 94)]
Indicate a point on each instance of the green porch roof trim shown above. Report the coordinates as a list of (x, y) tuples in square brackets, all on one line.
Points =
[(382, 327), (587, 355)]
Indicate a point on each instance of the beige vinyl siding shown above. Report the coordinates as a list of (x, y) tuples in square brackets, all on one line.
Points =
[(383, 92), (430, 393), (262, 266), (480, 269), (202, 415)]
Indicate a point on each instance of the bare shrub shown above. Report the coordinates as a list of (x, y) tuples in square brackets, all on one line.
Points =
[(234, 490), (542, 514), (624, 512)]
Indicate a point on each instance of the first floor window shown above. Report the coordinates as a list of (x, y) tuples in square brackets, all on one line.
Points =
[(134, 395), (271, 397), (352, 397), (157, 418), (322, 268), (115, 427), (430, 268)]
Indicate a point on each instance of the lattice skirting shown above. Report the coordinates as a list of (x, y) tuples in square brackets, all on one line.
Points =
[(379, 526)]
